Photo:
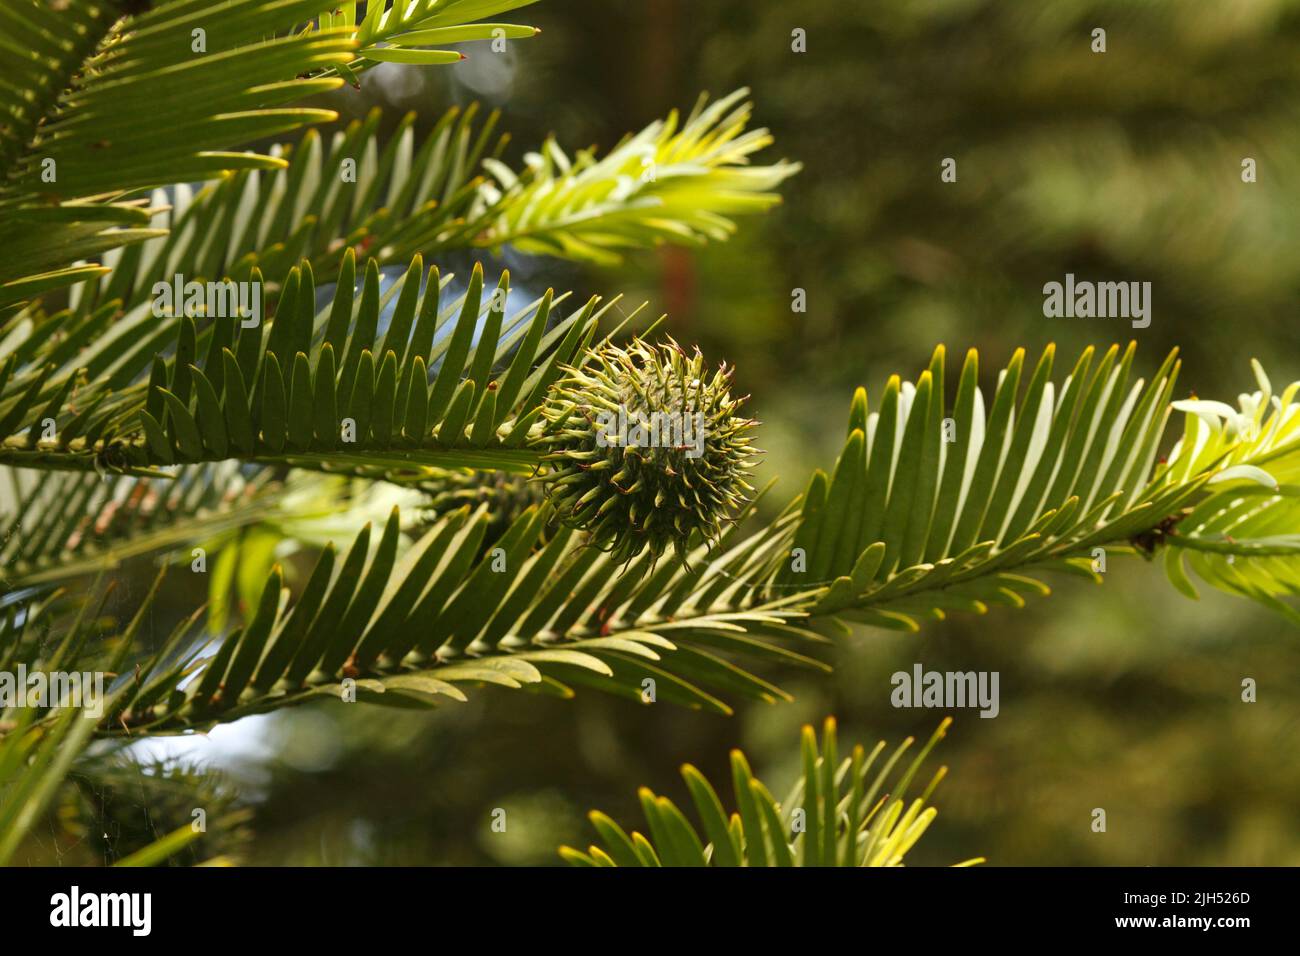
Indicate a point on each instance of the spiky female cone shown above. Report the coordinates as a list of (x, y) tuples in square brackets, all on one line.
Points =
[(646, 449)]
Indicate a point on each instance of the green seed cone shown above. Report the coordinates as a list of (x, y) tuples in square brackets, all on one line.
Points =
[(645, 448)]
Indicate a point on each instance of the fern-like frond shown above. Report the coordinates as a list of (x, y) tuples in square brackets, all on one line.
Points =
[(346, 193), (1258, 443), (672, 182), (60, 526), (74, 233), (98, 102), (140, 101), (103, 98), (324, 390), (1244, 537), (934, 508), (426, 197), (850, 812), (536, 611), (1245, 542), (418, 31)]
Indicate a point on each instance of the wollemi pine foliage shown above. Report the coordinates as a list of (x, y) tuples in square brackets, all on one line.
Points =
[(527, 548)]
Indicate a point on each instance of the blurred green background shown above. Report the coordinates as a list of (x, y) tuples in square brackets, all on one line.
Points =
[(1117, 166)]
